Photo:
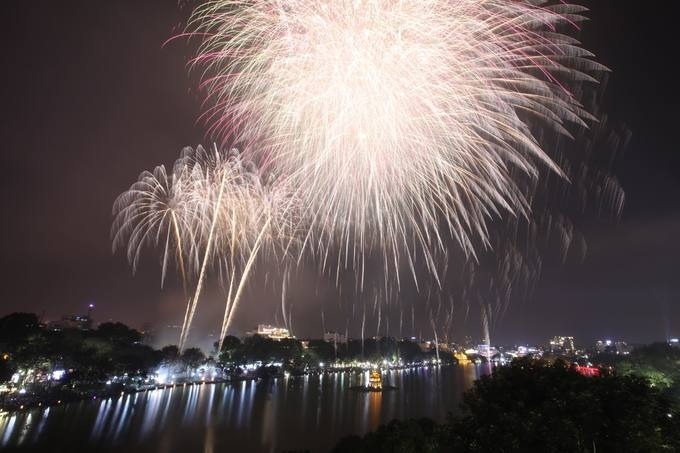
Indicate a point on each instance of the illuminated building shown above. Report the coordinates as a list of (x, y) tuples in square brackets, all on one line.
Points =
[(269, 331), (523, 351), (612, 347), (486, 350), (375, 380), (80, 322), (334, 337), (562, 345), (462, 358)]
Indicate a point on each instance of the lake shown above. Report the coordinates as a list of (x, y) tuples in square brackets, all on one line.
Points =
[(293, 413)]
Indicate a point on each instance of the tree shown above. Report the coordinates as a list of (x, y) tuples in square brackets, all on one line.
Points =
[(410, 436), (324, 351), (193, 357), (118, 333), (6, 367), (16, 328), (529, 406), (170, 353), (230, 346), (535, 407), (659, 363)]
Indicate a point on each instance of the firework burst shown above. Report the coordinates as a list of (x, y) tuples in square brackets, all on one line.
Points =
[(215, 210), (394, 116), (158, 211)]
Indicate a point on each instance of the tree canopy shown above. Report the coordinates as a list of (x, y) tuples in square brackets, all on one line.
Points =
[(535, 407)]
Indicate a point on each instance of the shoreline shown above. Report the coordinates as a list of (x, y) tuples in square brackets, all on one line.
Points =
[(102, 394)]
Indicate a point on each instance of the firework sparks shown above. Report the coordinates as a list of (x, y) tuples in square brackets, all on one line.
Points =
[(213, 210), (394, 116), (155, 210), (366, 126)]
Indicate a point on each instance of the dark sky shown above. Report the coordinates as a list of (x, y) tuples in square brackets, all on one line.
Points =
[(90, 98)]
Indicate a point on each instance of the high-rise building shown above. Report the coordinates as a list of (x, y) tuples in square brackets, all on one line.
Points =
[(562, 345), (612, 347)]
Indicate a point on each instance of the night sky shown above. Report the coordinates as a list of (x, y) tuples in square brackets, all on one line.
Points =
[(91, 97)]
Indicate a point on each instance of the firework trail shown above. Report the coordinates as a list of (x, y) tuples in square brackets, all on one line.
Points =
[(160, 205), (247, 213), (213, 210), (217, 173), (157, 209), (268, 210), (393, 117)]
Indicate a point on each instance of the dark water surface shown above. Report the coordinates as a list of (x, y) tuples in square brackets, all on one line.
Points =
[(309, 412)]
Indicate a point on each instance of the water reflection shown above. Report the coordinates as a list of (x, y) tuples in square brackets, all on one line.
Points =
[(310, 412)]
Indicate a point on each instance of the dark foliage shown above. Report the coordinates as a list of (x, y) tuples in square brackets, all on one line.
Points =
[(533, 407), (113, 348)]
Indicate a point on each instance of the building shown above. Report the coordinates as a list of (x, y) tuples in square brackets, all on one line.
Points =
[(486, 350), (334, 337), (80, 322), (375, 380), (612, 347), (528, 351), (269, 331), (562, 345), (462, 358)]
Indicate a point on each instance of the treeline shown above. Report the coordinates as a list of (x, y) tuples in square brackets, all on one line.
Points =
[(531, 406), (116, 349), (311, 353), (112, 348), (659, 363)]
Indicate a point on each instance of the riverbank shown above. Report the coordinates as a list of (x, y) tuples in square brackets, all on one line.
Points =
[(17, 402), (295, 413)]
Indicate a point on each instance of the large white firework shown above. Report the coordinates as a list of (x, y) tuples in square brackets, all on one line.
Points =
[(393, 117)]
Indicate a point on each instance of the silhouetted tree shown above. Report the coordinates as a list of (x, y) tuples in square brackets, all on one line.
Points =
[(193, 357), (230, 346), (533, 407), (170, 353), (16, 328), (118, 333)]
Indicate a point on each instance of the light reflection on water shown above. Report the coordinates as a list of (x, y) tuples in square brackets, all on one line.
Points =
[(310, 412)]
